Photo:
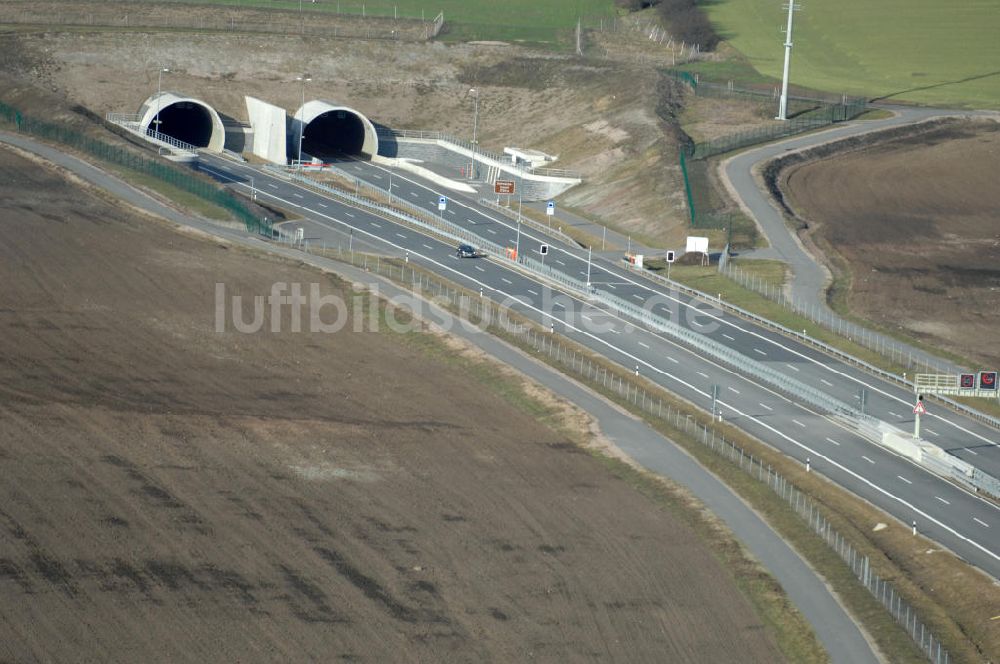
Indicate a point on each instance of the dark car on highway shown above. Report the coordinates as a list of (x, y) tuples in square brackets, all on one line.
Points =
[(468, 251)]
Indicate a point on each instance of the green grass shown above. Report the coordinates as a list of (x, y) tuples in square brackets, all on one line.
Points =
[(924, 51), (183, 199), (535, 21)]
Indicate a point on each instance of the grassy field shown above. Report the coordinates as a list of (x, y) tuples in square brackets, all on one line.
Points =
[(923, 51), (528, 20)]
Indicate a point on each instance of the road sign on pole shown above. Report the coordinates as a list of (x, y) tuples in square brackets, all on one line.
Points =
[(442, 204), (504, 187), (544, 249), (550, 208), (919, 408)]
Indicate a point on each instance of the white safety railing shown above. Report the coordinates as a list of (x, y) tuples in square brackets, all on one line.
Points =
[(133, 124)]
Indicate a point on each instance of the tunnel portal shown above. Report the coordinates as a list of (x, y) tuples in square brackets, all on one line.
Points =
[(335, 133), (186, 122)]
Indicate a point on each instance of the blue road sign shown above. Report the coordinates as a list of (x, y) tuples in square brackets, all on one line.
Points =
[(442, 203), (550, 208)]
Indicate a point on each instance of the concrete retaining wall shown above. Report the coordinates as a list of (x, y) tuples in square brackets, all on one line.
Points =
[(270, 130)]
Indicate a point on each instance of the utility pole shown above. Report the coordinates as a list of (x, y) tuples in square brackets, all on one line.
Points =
[(590, 251), (159, 87), (475, 131), (305, 78), (783, 103), (517, 243)]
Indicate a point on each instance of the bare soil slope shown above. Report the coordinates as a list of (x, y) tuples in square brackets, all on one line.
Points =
[(170, 493), (917, 221)]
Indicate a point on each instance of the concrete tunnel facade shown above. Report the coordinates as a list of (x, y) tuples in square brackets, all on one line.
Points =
[(331, 130), (186, 119)]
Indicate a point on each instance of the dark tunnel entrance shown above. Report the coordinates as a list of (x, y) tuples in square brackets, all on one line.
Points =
[(186, 122), (334, 134)]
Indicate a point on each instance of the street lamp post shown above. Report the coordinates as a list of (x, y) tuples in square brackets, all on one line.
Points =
[(475, 131), (159, 88), (302, 111)]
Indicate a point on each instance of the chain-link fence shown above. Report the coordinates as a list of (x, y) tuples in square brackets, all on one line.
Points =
[(632, 390), (129, 159)]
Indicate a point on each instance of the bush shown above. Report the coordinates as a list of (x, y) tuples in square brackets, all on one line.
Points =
[(636, 5), (689, 23)]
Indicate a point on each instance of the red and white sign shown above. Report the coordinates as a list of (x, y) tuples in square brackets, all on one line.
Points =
[(919, 408)]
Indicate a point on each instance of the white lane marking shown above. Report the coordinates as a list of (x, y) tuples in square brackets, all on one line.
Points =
[(867, 459), (471, 220), (400, 235), (297, 195), (375, 224), (376, 176), (614, 331), (506, 281), (833, 463), (724, 321), (799, 423), (972, 451), (587, 317), (893, 414), (791, 366), (765, 406), (758, 350), (728, 337), (272, 185), (480, 269), (558, 304), (826, 382), (703, 374), (451, 212), (560, 262), (533, 292), (981, 523), (644, 345), (942, 500), (637, 296), (491, 231), (321, 205), (351, 215), (612, 286), (931, 431), (672, 360), (427, 246), (831, 440), (904, 479), (732, 389), (414, 194)]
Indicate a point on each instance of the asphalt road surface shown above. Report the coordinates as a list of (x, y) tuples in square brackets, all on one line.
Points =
[(957, 519), (834, 627)]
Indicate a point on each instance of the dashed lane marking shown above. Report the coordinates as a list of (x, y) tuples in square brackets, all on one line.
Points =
[(942, 500), (765, 406), (831, 440), (981, 523), (644, 345), (904, 479), (799, 423), (867, 459)]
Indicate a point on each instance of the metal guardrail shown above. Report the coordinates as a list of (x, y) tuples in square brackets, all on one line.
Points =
[(864, 425), (805, 339), (525, 221)]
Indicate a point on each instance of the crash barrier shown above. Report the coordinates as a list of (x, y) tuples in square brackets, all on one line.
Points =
[(692, 422), (864, 425)]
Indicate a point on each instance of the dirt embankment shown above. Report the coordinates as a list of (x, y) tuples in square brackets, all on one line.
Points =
[(172, 493), (911, 217), (599, 116)]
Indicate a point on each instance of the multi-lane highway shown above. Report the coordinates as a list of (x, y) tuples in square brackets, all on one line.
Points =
[(954, 517)]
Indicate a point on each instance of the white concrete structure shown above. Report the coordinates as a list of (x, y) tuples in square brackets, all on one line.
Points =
[(529, 158), (336, 126), (184, 118), (269, 124)]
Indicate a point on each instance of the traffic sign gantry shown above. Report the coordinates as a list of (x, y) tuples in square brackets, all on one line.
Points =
[(504, 187)]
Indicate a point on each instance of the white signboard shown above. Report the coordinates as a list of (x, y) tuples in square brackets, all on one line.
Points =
[(697, 244), (550, 208), (442, 204)]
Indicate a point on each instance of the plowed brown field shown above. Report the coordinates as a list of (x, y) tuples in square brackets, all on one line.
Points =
[(917, 220), (169, 493)]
